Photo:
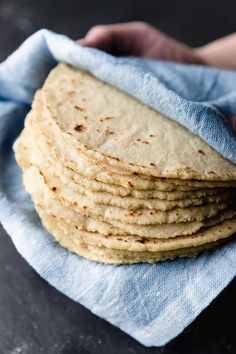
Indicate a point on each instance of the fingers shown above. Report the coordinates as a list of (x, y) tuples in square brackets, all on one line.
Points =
[(98, 37), (117, 39)]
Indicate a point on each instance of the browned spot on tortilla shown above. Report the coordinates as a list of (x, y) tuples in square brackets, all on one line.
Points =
[(114, 158), (151, 135), (53, 189), (152, 164), (71, 93), (108, 118), (85, 207), (130, 184), (81, 109), (201, 152), (79, 128)]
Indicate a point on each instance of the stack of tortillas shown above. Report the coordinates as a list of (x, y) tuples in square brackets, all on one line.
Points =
[(115, 181)]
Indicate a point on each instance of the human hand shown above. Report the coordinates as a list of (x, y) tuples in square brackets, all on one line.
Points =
[(141, 39), (138, 39)]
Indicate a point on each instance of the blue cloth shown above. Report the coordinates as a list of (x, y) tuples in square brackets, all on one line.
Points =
[(152, 303)]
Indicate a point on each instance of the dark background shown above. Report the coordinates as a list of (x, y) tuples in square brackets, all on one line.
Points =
[(34, 317)]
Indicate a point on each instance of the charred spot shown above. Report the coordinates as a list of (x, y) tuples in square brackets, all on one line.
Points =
[(81, 109), (53, 189), (201, 152), (138, 139), (130, 184), (111, 132), (68, 133), (151, 135), (79, 128), (152, 164), (85, 207), (75, 203), (135, 173), (114, 158), (108, 118), (151, 213)]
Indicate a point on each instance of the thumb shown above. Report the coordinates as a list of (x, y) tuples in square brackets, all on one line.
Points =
[(97, 37)]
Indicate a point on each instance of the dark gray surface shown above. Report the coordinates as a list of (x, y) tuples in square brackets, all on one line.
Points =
[(34, 317)]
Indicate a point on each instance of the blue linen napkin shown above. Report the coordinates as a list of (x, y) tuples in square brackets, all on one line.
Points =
[(152, 303)]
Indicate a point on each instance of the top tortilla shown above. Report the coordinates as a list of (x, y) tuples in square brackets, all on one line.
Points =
[(113, 127)]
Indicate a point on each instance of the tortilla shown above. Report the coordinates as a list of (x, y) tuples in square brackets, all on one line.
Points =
[(112, 127), (70, 239), (45, 198)]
